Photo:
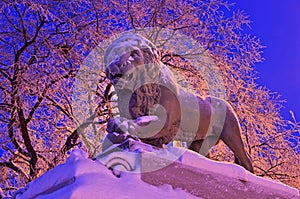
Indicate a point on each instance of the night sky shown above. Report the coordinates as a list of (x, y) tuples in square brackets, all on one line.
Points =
[(277, 24)]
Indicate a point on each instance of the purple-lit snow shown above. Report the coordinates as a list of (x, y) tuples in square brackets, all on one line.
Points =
[(188, 175)]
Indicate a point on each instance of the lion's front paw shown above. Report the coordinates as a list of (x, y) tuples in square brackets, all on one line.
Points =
[(119, 129), (121, 125)]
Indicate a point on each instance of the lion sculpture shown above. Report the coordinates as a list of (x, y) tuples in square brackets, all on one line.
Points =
[(146, 88)]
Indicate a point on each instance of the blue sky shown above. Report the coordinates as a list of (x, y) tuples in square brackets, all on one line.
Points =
[(277, 24)]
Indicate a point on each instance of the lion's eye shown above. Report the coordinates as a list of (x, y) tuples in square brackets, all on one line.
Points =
[(135, 53)]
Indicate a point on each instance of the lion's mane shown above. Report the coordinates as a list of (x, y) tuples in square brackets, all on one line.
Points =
[(148, 94)]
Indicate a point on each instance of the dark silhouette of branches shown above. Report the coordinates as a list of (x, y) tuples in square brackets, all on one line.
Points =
[(42, 69)]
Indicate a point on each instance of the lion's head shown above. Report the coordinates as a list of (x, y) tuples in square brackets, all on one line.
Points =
[(131, 61), (135, 70)]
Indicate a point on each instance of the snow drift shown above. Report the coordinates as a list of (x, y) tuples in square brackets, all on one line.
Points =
[(146, 172)]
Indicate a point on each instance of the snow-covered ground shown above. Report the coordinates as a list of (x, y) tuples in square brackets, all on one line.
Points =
[(168, 173), (82, 178)]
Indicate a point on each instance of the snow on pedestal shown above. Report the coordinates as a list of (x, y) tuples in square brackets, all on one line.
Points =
[(151, 173), (82, 178), (211, 179), (194, 173)]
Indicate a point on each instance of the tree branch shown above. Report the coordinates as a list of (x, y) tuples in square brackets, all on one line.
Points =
[(11, 133), (14, 168), (41, 98), (27, 142)]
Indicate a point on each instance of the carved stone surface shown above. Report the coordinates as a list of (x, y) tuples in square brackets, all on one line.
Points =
[(146, 87)]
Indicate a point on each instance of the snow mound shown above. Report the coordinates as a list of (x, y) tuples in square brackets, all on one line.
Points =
[(137, 170), (211, 179), (82, 178), (193, 172)]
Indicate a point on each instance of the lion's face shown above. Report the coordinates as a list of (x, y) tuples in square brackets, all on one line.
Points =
[(123, 70), (129, 61)]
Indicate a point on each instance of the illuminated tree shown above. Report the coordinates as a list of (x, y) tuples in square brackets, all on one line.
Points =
[(43, 48)]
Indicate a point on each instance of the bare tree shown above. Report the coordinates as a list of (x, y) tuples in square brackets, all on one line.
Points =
[(43, 48)]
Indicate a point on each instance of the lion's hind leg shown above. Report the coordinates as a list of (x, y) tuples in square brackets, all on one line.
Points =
[(231, 136)]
